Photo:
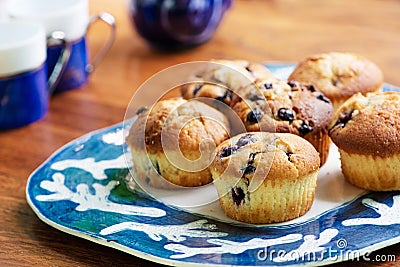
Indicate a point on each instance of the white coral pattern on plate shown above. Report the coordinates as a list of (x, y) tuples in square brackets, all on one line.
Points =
[(87, 201)]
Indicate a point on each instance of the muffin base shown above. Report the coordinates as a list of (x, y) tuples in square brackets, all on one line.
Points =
[(155, 170), (272, 202), (371, 173)]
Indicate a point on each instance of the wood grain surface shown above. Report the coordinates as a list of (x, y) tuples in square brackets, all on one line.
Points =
[(258, 30)]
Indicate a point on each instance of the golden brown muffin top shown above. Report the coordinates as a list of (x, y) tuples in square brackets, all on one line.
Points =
[(206, 90), (231, 71), (275, 105), (368, 125), (265, 157), (339, 75), (176, 124), (220, 78)]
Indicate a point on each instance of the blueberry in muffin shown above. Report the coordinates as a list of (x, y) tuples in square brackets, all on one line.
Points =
[(286, 107)]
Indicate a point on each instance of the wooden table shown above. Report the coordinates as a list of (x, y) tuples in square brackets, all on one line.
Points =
[(257, 30)]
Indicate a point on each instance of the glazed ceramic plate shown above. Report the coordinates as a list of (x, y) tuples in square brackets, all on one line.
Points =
[(80, 190)]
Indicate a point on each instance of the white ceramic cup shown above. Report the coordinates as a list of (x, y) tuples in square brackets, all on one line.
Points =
[(68, 16), (3, 10), (22, 47), (71, 17), (24, 83)]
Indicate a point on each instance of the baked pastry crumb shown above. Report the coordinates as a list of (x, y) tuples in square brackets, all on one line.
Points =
[(265, 177), (366, 130), (339, 75), (174, 142), (286, 107)]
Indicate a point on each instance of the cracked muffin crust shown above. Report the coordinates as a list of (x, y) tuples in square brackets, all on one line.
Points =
[(366, 130), (218, 81), (286, 107), (175, 140), (265, 177), (339, 75)]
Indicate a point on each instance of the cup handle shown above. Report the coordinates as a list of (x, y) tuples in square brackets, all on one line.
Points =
[(109, 20), (58, 38)]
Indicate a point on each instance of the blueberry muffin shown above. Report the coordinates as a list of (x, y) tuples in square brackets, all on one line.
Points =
[(339, 75), (286, 107), (174, 142), (265, 177), (222, 77), (366, 130)]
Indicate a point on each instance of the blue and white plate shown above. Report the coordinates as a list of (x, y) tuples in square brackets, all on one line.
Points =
[(80, 190)]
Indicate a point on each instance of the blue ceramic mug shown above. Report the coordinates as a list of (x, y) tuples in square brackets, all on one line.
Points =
[(24, 86), (72, 18)]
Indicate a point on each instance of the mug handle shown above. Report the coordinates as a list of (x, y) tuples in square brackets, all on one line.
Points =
[(109, 20), (58, 38)]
